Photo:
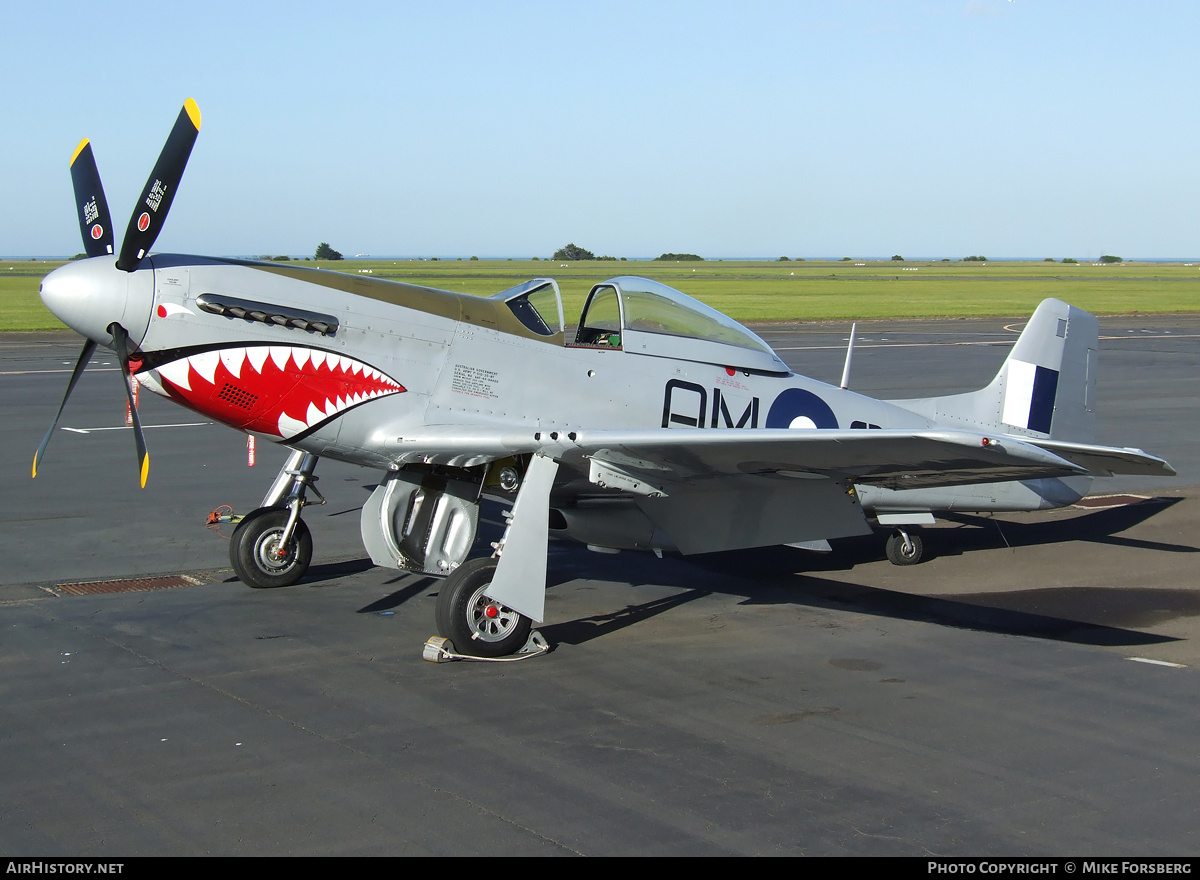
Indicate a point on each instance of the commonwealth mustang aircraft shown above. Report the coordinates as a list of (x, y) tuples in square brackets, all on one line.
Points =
[(660, 424)]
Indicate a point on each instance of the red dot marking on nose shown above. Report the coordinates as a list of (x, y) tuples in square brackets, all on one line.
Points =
[(162, 311), (731, 371)]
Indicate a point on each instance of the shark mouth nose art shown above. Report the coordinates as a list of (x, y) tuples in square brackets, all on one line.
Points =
[(285, 390)]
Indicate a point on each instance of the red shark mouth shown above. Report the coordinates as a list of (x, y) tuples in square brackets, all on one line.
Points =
[(283, 390)]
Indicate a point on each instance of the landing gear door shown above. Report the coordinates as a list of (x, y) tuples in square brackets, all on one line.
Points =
[(419, 521)]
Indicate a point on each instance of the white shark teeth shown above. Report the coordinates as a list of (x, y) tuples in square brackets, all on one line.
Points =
[(318, 412), (176, 372), (256, 355), (248, 363), (149, 380), (289, 427), (235, 359), (205, 364)]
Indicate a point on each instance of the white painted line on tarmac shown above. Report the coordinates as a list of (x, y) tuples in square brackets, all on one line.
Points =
[(995, 342), (40, 372), (1157, 662), (858, 345), (130, 428)]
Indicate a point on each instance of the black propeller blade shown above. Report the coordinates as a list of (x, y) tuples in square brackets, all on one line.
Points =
[(121, 339), (151, 209), (84, 357), (95, 223)]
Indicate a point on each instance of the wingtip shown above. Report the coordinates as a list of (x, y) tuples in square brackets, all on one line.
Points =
[(79, 149), (193, 112)]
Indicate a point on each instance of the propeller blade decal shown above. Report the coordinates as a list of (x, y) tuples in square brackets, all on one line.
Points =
[(121, 338), (95, 223), (152, 206), (84, 356)]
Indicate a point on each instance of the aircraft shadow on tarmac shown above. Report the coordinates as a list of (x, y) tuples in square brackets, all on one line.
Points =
[(1060, 614), (1098, 616), (1097, 526)]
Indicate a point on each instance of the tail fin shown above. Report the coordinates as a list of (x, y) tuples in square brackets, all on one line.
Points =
[(1045, 388)]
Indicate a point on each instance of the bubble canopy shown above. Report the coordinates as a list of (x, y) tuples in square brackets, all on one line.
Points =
[(644, 316)]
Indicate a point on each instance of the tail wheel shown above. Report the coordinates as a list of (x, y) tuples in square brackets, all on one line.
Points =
[(260, 559), (477, 625), (905, 548)]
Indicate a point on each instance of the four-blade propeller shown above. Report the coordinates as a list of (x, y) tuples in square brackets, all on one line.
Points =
[(145, 223)]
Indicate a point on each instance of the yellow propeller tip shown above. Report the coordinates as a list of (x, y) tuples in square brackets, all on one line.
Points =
[(193, 112), (79, 149), (145, 470), (35, 466)]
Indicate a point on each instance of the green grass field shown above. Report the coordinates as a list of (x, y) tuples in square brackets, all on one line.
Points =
[(766, 291)]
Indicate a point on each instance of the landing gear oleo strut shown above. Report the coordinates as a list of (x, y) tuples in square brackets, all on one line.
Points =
[(272, 546)]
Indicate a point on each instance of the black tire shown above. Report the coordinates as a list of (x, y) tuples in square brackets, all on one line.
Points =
[(897, 554), (252, 549), (476, 624)]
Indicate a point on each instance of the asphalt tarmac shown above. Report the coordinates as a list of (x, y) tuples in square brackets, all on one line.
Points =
[(985, 702)]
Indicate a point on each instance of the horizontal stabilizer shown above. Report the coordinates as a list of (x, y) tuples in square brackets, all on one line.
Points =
[(1106, 461)]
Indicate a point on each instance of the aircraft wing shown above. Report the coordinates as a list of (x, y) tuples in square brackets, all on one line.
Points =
[(727, 489), (661, 457), (888, 458), (658, 458)]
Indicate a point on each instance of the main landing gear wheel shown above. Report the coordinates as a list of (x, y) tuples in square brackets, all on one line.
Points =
[(905, 548), (256, 554), (477, 625)]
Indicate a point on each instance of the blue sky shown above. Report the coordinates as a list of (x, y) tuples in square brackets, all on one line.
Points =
[(752, 129)]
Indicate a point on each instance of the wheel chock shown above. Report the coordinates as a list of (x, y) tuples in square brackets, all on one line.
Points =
[(439, 649), (535, 645)]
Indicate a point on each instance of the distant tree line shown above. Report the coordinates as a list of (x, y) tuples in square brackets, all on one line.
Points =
[(573, 252), (679, 257), (325, 252)]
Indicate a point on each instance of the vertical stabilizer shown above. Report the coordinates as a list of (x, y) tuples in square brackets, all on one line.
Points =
[(1049, 380), (1045, 388)]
